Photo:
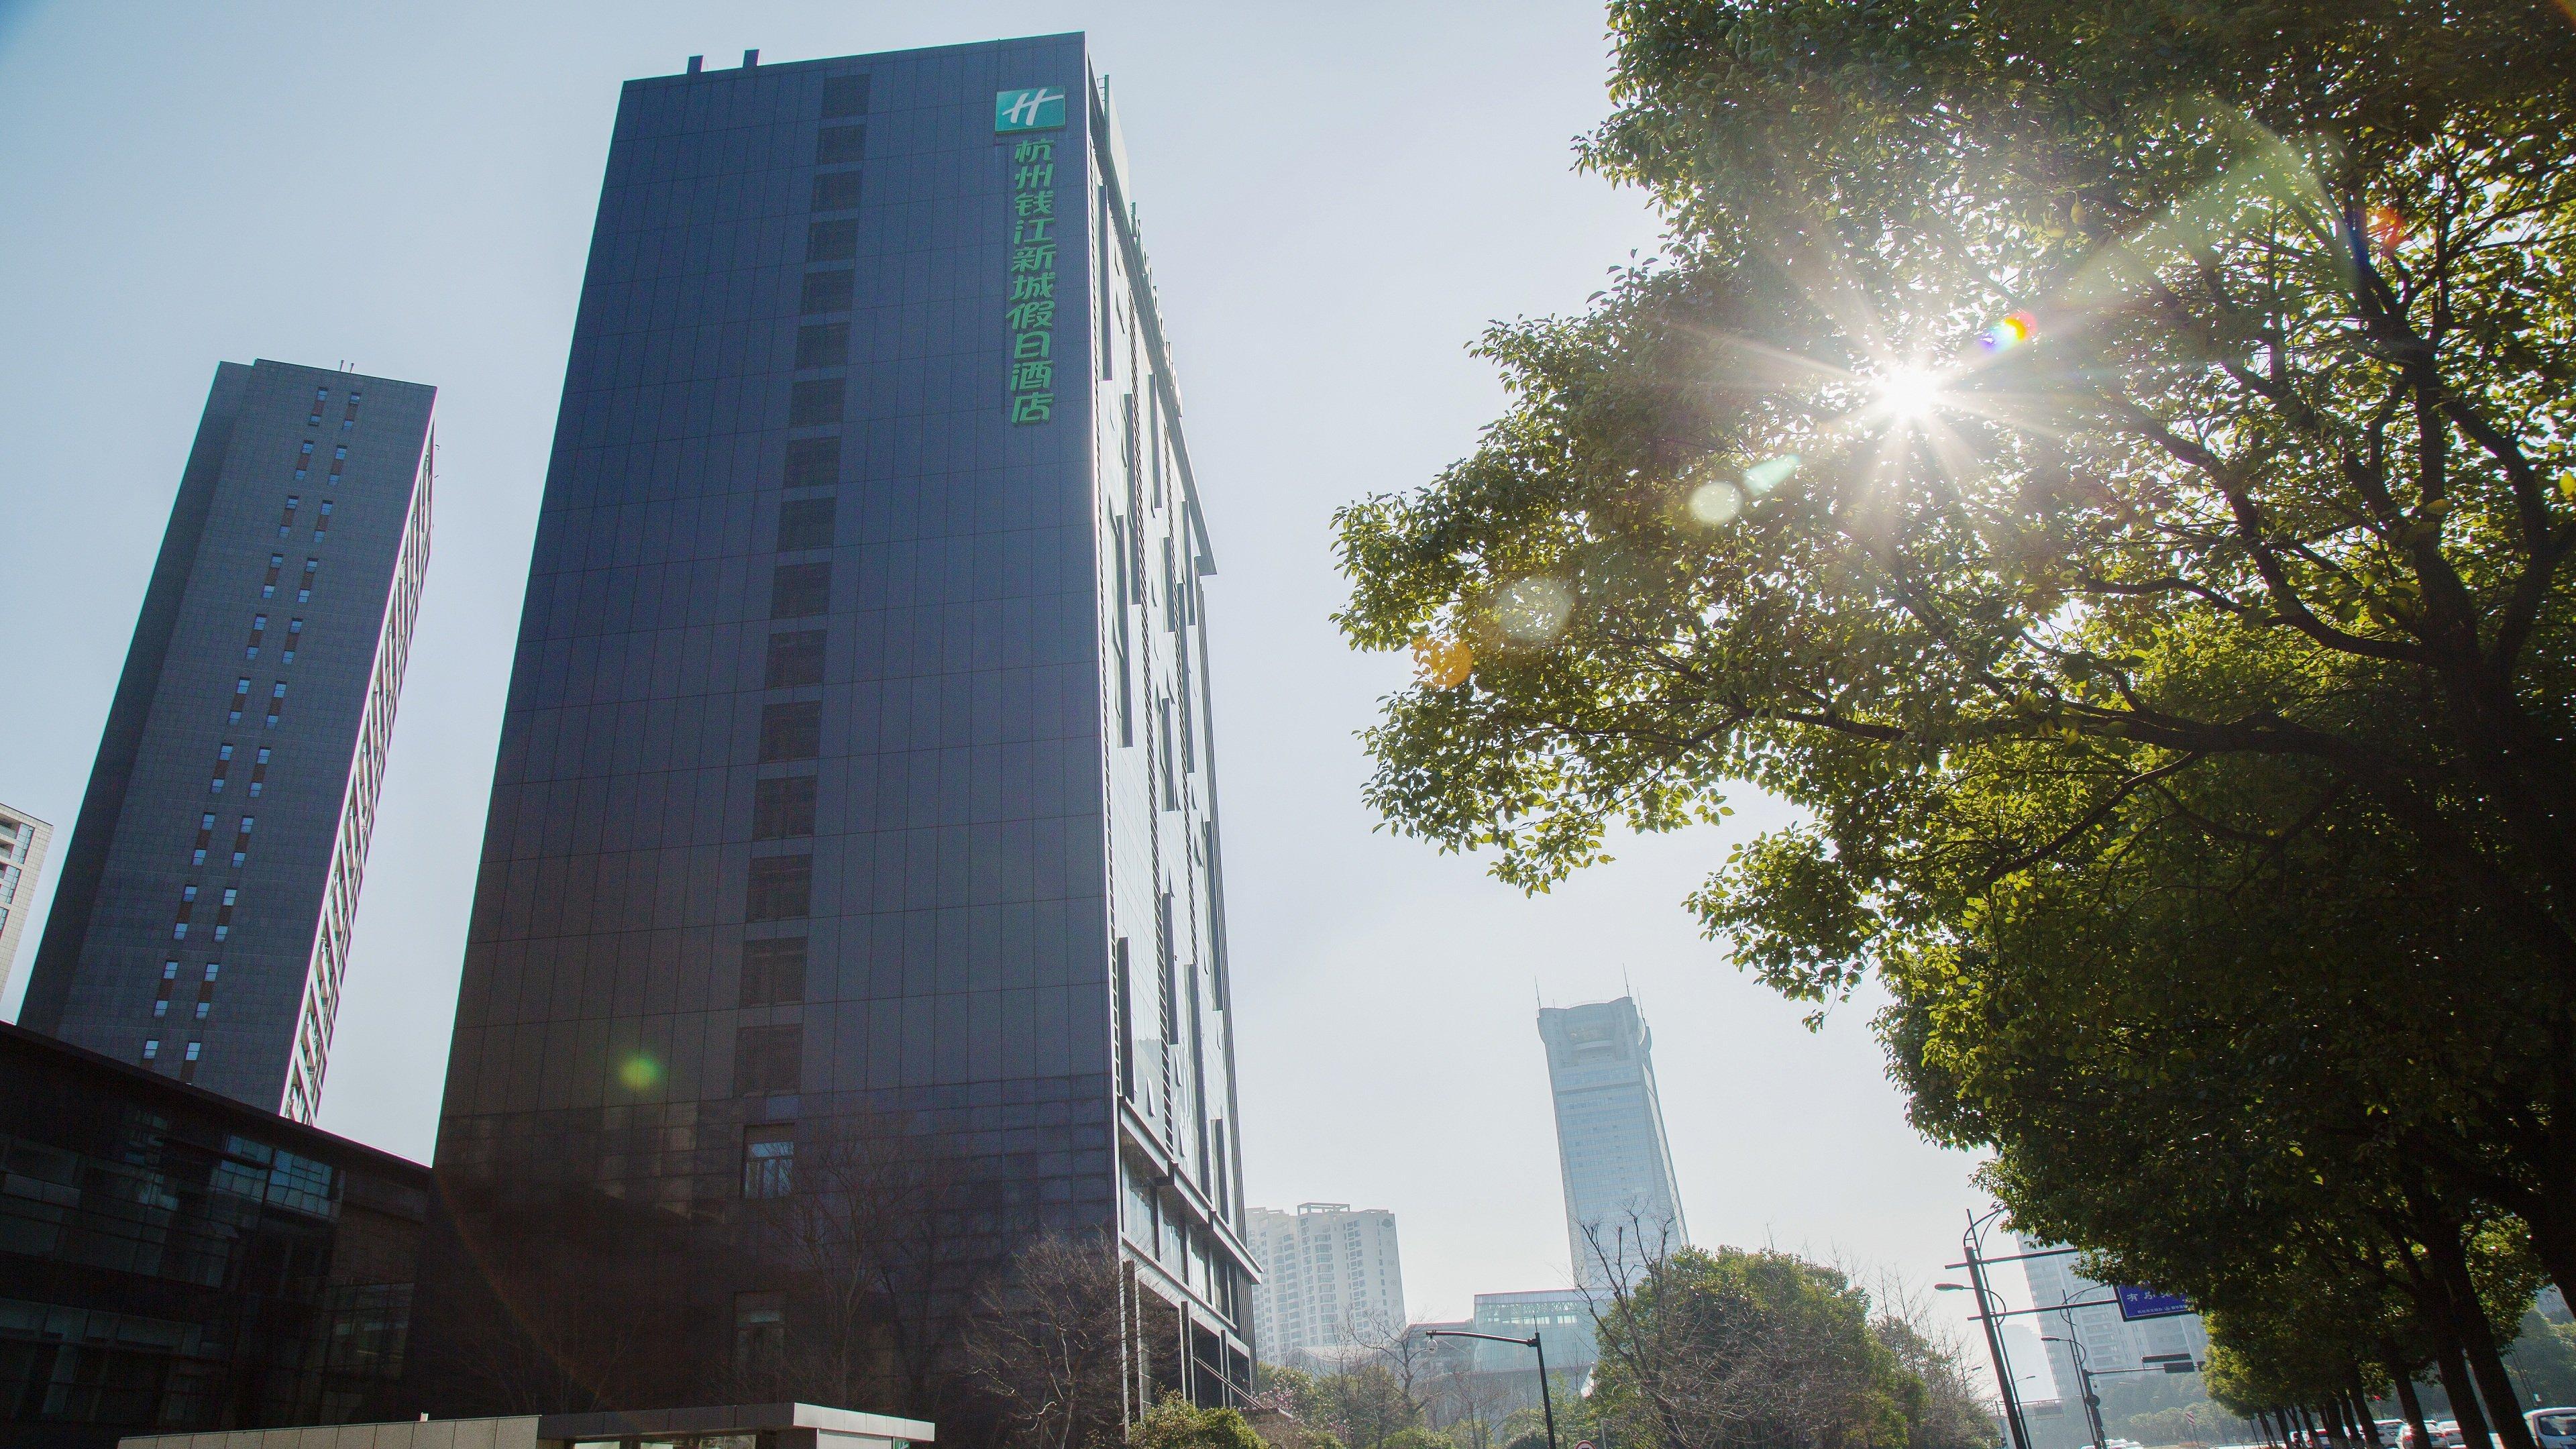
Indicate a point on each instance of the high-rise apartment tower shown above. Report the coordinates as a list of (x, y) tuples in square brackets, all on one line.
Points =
[(2089, 1315), (849, 909), (202, 911), (1331, 1282), (1621, 1205), (23, 839)]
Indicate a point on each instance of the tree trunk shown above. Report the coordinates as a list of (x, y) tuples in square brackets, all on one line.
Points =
[(2407, 1400), (2464, 1395), (2478, 1341)]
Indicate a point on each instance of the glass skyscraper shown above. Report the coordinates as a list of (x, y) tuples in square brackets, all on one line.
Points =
[(849, 913), (1621, 1205), (202, 911)]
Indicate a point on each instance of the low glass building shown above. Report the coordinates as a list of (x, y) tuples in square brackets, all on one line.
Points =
[(173, 1260)]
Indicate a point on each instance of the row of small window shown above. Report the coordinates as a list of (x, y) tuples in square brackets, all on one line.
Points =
[(206, 838), (188, 909), (205, 1002), (241, 702), (304, 461), (187, 1065), (322, 398), (321, 518), (277, 567), (259, 637), (224, 769)]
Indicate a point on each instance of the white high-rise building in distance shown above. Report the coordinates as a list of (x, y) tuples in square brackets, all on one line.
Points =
[(1610, 1145), (1331, 1282), (2111, 1343), (23, 838)]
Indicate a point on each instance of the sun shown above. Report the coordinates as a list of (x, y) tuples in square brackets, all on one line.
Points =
[(1908, 394)]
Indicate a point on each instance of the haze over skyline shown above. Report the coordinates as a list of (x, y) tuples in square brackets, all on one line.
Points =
[(1337, 199)]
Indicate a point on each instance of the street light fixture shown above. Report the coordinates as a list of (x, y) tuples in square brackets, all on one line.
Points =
[(1546, 1401), (1990, 1308), (2084, 1385)]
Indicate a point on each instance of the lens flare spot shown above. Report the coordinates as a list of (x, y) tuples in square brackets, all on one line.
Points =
[(2016, 329), (1716, 502), (2388, 230), (1534, 610), (1770, 473), (639, 1072), (1442, 663)]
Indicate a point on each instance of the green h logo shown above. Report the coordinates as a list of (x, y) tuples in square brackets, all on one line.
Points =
[(1035, 109)]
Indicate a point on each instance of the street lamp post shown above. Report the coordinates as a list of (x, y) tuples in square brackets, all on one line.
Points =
[(2084, 1384), (1546, 1401), (1989, 1308)]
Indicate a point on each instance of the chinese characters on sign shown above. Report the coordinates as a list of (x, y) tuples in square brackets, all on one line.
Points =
[(1032, 313)]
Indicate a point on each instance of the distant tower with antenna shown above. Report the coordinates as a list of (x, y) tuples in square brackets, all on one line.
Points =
[(1621, 1203)]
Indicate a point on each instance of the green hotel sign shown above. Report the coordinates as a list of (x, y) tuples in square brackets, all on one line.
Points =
[(1038, 108), (1031, 318)]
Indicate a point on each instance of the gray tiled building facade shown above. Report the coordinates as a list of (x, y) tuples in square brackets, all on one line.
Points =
[(202, 914), (853, 848)]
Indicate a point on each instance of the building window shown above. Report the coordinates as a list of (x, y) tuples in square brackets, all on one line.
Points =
[(286, 520), (822, 344), (322, 524), (1126, 1024), (830, 291), (805, 523), (781, 888), (258, 632), (241, 696), (813, 462), (783, 807), (836, 191), (800, 590), (151, 1048), (268, 588), (794, 659), (791, 731), (836, 145), (759, 1336), (768, 1059), (241, 840), (832, 241), (294, 637), (258, 771), (276, 702), (768, 1161), (845, 95), (773, 971), (816, 403), (304, 595)]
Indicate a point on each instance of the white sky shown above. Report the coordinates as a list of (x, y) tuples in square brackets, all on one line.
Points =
[(1337, 197)]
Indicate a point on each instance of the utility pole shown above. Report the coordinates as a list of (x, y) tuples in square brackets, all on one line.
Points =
[(1987, 1302)]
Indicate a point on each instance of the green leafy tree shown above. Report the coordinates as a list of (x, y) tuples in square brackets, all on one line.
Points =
[(1715, 1350), (1175, 1423), (2088, 460)]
